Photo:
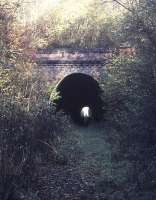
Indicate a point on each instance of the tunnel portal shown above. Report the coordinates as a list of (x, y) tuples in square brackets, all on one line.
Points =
[(76, 91)]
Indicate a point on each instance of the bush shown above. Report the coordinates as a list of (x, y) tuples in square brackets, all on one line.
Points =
[(27, 139), (130, 109)]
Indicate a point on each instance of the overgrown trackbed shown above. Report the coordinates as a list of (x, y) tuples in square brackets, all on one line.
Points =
[(91, 167)]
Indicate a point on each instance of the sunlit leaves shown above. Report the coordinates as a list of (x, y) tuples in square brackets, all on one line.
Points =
[(85, 24)]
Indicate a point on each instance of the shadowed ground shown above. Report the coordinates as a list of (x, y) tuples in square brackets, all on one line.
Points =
[(92, 167)]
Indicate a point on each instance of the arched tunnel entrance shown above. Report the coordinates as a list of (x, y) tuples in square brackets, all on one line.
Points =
[(76, 91)]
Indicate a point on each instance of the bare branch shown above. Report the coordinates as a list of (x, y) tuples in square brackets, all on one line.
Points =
[(121, 4)]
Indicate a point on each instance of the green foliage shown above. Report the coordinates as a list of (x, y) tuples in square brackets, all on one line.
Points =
[(27, 139), (93, 26), (128, 93), (138, 26), (54, 94), (127, 85), (28, 124), (29, 127)]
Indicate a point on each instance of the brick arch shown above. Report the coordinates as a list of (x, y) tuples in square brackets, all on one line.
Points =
[(91, 71), (55, 73), (54, 66)]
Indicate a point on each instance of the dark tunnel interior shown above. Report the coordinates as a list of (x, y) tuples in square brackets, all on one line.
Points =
[(76, 91)]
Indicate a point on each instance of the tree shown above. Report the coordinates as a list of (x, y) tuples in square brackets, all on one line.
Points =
[(94, 26)]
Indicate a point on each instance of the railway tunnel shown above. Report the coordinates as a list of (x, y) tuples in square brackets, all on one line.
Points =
[(76, 91)]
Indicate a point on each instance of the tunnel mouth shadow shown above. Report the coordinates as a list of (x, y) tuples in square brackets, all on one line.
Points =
[(76, 91)]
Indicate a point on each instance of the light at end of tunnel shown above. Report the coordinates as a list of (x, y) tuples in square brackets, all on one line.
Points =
[(86, 112)]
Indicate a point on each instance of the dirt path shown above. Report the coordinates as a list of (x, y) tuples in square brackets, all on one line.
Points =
[(93, 166), (91, 169), (96, 151)]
